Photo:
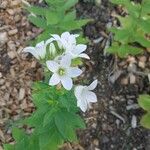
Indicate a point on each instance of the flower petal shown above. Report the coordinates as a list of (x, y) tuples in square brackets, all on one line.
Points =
[(82, 104), (56, 37), (66, 82), (90, 97), (54, 80), (32, 51), (52, 66), (41, 49), (93, 85), (49, 41), (52, 49), (74, 72), (83, 55), (65, 61), (79, 49), (81, 101), (65, 35)]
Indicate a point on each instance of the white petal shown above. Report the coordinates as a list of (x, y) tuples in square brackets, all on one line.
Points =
[(93, 85), (82, 104), (49, 41), (52, 49), (81, 101), (91, 97), (74, 72), (32, 51), (54, 80), (66, 82), (41, 49), (79, 49), (52, 66), (76, 35), (83, 55), (65, 35), (65, 61), (78, 91), (56, 37)]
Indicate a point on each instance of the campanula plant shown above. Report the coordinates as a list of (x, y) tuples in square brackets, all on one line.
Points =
[(56, 16), (58, 99), (131, 37)]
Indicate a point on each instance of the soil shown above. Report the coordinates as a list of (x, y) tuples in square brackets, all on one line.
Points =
[(109, 124)]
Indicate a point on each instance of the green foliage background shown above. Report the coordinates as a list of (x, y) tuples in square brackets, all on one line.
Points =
[(130, 37)]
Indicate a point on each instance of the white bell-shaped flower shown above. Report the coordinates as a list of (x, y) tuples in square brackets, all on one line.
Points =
[(85, 96), (39, 51), (63, 72)]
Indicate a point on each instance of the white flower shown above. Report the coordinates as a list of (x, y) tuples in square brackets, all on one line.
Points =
[(52, 49), (77, 50), (67, 41), (63, 72), (85, 96), (39, 51)]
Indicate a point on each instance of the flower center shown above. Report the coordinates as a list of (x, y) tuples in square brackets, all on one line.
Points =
[(61, 71)]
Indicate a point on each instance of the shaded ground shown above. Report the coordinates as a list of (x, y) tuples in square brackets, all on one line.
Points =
[(109, 122)]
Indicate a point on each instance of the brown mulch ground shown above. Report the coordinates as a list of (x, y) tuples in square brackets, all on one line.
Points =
[(109, 122)]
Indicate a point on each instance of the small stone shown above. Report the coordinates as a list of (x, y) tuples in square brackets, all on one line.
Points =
[(17, 18), (131, 59), (11, 54), (3, 4), (96, 142), (15, 2), (98, 2), (141, 64), (124, 81), (3, 38), (11, 11), (105, 139), (143, 59), (1, 75), (13, 32), (2, 81), (11, 45), (21, 93), (134, 121), (132, 79)]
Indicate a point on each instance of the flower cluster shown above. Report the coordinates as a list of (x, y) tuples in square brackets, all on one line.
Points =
[(58, 53)]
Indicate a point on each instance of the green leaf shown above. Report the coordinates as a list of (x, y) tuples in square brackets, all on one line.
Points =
[(37, 10), (145, 121), (50, 139), (69, 4), (64, 126), (49, 116), (144, 102), (143, 41), (52, 17), (9, 147), (18, 134), (38, 21), (145, 25)]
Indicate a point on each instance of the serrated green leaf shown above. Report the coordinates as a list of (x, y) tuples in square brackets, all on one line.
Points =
[(145, 121), (18, 134), (37, 10), (145, 25), (49, 116), (38, 21), (143, 41), (9, 147), (144, 102), (64, 126), (69, 4), (52, 17)]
